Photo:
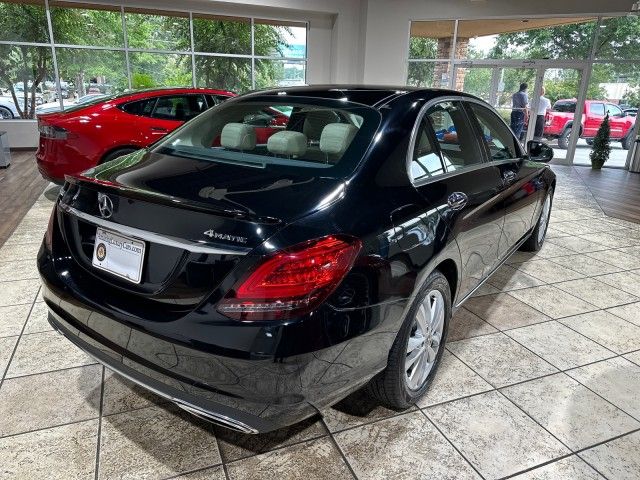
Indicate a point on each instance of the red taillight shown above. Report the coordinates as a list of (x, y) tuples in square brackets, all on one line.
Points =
[(293, 281)]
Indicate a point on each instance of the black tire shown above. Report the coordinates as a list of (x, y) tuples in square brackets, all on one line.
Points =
[(589, 141), (536, 239), (390, 386), (563, 139), (5, 114), (626, 141), (117, 153)]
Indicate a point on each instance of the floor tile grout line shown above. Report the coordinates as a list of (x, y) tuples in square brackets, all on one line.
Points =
[(41, 429), (581, 457), (189, 472), (50, 371), (99, 438), (543, 464), (548, 375), (536, 421), (227, 476), (335, 443), (15, 347), (2, 437), (450, 442), (568, 327), (616, 355)]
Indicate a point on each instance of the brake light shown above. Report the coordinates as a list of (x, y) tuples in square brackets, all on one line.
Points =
[(293, 281), (52, 131)]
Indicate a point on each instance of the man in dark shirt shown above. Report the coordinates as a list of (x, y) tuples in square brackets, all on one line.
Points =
[(519, 105)]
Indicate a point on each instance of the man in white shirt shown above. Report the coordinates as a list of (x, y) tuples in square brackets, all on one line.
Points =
[(543, 105)]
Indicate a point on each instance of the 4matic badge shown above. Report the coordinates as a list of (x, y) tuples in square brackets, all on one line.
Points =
[(224, 236)]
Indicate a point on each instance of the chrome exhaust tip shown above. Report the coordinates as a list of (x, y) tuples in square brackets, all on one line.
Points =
[(216, 418)]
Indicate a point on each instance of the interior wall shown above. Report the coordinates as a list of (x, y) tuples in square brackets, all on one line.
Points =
[(387, 25), (22, 133)]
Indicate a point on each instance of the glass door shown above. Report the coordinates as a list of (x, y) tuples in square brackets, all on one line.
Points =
[(500, 86), (555, 109)]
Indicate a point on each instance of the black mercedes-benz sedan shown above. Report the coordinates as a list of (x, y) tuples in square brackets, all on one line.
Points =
[(254, 284)]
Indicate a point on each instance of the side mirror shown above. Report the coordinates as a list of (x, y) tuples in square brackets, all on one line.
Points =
[(539, 151)]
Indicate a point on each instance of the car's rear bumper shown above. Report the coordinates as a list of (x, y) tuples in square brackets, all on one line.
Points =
[(212, 411), (252, 392), (57, 158)]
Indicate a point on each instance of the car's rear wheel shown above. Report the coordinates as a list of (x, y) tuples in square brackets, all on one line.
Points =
[(118, 153), (563, 139), (418, 348), (589, 141), (5, 113), (626, 141), (536, 239)]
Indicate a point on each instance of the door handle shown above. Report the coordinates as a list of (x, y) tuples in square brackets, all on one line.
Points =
[(159, 129), (457, 200), (509, 177)]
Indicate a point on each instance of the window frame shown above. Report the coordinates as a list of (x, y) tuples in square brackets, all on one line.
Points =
[(601, 104), (431, 134), (485, 145), (414, 136), (486, 162), (175, 95)]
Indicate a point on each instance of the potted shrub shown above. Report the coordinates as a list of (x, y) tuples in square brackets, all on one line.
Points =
[(601, 147)]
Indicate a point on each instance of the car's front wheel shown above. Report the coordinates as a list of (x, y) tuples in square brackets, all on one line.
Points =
[(536, 239), (418, 348), (5, 113)]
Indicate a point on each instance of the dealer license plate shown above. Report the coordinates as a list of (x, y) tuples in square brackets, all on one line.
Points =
[(119, 255)]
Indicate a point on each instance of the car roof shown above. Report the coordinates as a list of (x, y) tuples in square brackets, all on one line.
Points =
[(370, 95), (150, 92)]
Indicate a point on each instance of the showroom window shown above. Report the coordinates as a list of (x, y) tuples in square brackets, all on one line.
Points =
[(588, 57), (75, 51)]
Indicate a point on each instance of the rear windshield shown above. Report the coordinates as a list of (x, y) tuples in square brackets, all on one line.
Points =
[(566, 107), (311, 133), (89, 103)]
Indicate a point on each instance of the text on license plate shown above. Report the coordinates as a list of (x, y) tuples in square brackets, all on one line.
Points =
[(119, 255)]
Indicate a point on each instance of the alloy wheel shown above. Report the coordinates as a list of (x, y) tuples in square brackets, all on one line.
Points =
[(425, 339), (544, 218)]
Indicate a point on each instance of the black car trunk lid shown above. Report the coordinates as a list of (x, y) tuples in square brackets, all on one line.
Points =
[(195, 231)]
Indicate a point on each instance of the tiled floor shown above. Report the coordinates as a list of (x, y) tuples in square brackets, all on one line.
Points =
[(541, 380)]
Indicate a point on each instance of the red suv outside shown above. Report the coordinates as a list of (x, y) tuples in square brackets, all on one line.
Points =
[(559, 122), (83, 136)]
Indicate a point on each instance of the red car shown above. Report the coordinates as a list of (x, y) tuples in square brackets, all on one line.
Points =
[(559, 120), (85, 135)]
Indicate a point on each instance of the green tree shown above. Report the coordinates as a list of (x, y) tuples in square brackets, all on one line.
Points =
[(234, 37), (601, 145), (23, 68), (78, 26)]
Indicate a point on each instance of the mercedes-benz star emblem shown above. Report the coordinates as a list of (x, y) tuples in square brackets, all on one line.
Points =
[(105, 205)]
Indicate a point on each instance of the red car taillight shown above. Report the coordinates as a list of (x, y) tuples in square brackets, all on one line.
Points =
[(293, 281), (52, 131)]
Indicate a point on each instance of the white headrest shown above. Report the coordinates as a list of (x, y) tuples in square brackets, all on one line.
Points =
[(238, 136), (336, 137), (287, 143)]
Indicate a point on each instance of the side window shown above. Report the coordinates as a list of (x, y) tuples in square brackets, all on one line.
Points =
[(458, 144), (614, 111), (497, 136), (597, 109), (140, 107), (426, 160), (179, 107)]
